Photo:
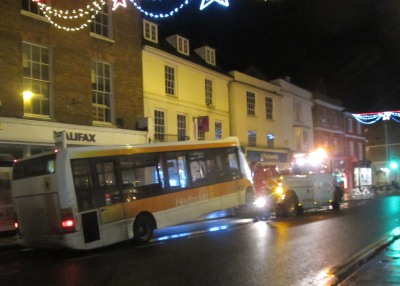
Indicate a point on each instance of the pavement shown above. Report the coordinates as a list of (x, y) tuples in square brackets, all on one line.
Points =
[(382, 269)]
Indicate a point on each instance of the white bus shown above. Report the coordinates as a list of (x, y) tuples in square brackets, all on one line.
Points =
[(7, 216), (89, 197)]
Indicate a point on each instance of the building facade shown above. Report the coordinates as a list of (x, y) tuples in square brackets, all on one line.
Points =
[(382, 148), (53, 78), (272, 119), (185, 94), (256, 119), (337, 132)]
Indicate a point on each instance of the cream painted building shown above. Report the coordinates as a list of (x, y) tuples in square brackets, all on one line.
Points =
[(297, 117), (182, 89), (272, 119)]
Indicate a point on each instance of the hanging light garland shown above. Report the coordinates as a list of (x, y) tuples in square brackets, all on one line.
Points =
[(371, 118), (91, 11), (159, 15)]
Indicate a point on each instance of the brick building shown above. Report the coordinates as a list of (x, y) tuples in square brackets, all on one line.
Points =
[(341, 135), (79, 81)]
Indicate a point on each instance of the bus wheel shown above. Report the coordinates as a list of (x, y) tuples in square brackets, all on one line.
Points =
[(291, 204), (337, 196), (143, 228)]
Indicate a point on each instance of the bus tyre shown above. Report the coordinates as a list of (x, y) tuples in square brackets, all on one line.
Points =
[(143, 228), (291, 204), (337, 197)]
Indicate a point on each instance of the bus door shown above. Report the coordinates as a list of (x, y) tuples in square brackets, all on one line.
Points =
[(98, 198), (111, 208)]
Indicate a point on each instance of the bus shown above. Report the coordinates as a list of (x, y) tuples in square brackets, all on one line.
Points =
[(7, 216), (94, 196)]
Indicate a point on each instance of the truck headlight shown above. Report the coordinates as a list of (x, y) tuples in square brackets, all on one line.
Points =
[(260, 202), (279, 190)]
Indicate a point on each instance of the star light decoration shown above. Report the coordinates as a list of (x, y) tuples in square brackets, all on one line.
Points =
[(373, 117), (118, 3), (205, 3)]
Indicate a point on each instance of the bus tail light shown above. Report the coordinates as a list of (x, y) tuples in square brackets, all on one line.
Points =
[(67, 221), (16, 224)]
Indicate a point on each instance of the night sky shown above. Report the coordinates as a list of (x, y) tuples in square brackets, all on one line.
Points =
[(345, 49)]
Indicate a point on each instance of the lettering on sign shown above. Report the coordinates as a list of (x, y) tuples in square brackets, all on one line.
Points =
[(191, 200), (82, 137)]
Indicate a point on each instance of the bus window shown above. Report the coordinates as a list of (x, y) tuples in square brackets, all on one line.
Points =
[(199, 168), (108, 191), (83, 184), (36, 167), (177, 172), (234, 166), (138, 179)]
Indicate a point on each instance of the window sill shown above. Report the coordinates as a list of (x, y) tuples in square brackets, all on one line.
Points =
[(102, 38), (34, 16), (103, 124)]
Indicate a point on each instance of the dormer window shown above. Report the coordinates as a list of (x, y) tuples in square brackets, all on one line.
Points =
[(183, 45), (207, 54), (210, 56), (150, 31)]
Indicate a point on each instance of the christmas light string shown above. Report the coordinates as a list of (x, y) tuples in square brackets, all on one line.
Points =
[(371, 118), (160, 15), (93, 9), (96, 6)]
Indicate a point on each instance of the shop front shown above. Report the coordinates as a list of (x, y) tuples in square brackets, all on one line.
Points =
[(21, 138)]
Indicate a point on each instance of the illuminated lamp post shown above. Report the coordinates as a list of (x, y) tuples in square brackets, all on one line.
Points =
[(373, 117)]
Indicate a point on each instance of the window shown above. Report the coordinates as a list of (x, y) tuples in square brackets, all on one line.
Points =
[(349, 125), (359, 129), (360, 151), (100, 24), (101, 92), (150, 31), (269, 108), (140, 176), (335, 119), (85, 195), (209, 92), (32, 7), (251, 103), (213, 166), (301, 140), (324, 117), (181, 119), (351, 149), (183, 45), (177, 173), (169, 80), (270, 140), (36, 80), (298, 112), (210, 56), (252, 138), (218, 130), (201, 135), (159, 125), (34, 167)]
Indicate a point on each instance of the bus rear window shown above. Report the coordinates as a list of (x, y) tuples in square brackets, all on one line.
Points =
[(34, 167)]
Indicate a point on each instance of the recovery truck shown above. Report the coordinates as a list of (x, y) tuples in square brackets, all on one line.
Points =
[(289, 195)]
